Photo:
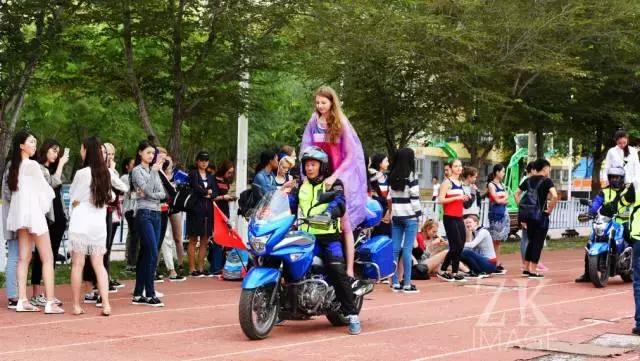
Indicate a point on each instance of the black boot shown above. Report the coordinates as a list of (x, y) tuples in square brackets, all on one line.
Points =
[(583, 279), (585, 276)]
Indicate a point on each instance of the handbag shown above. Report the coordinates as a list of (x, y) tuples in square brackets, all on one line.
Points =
[(185, 200)]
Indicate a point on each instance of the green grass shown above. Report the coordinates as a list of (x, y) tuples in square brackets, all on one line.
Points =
[(119, 272), (63, 273)]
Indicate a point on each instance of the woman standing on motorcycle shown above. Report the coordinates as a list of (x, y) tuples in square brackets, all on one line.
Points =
[(625, 156), (330, 130)]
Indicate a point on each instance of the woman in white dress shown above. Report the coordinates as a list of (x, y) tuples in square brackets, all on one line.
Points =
[(90, 191), (624, 156), (31, 198)]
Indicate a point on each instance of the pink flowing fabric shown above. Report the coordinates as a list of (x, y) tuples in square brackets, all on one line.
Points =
[(347, 163)]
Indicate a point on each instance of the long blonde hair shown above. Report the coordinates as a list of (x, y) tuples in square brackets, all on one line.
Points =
[(334, 119)]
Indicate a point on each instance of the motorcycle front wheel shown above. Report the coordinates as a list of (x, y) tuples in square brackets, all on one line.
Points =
[(257, 313), (338, 319), (599, 269)]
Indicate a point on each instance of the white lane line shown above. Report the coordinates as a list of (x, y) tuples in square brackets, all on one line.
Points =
[(177, 332), (78, 319), (402, 328), (448, 354), (226, 305)]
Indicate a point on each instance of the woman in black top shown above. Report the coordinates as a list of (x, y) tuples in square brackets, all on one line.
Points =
[(537, 231), (200, 220)]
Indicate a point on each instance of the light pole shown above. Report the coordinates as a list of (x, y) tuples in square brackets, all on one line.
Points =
[(241, 154)]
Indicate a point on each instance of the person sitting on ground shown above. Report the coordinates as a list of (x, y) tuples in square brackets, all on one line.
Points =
[(429, 250), (478, 253)]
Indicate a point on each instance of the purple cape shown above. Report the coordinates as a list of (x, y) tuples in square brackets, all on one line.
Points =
[(348, 164)]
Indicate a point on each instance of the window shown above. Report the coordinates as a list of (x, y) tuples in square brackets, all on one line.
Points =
[(435, 169), (419, 167), (560, 175)]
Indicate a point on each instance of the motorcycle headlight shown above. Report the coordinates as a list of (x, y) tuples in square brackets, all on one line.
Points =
[(259, 244), (599, 229)]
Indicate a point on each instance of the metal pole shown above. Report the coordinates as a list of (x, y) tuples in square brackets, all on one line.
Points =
[(570, 169), (241, 156)]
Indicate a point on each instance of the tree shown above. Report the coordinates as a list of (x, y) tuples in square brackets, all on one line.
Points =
[(28, 31)]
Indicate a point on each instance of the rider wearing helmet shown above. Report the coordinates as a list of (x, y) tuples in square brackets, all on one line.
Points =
[(607, 202), (315, 167)]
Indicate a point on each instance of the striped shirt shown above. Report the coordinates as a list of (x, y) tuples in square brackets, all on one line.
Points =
[(405, 204)]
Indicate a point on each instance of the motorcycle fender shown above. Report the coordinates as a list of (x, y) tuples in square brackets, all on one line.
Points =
[(598, 248), (260, 276)]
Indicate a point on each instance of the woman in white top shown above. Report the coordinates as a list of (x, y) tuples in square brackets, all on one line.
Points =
[(625, 156), (31, 198), (90, 191)]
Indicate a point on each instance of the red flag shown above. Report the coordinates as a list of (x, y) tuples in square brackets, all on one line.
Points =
[(223, 233)]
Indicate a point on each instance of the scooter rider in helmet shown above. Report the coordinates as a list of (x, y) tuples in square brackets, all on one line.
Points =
[(315, 166), (608, 202)]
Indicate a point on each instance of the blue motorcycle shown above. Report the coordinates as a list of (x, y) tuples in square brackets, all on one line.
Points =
[(289, 282), (608, 253)]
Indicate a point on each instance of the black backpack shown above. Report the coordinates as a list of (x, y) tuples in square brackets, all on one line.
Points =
[(184, 200), (530, 208), (249, 200)]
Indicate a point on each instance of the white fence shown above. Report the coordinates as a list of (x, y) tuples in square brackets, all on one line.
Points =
[(564, 216)]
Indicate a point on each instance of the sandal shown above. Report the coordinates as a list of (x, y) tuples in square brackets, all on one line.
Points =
[(52, 309), (25, 306)]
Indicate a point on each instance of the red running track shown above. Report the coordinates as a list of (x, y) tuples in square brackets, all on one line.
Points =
[(478, 321)]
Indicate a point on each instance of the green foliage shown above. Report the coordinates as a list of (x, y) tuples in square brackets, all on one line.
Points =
[(405, 70)]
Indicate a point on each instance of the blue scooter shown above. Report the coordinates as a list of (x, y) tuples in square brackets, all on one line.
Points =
[(608, 253), (289, 282)]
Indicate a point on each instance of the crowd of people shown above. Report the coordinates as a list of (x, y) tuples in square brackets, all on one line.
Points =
[(332, 158), (100, 199)]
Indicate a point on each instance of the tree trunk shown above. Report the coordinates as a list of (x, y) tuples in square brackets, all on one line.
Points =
[(179, 87), (539, 143), (131, 73), (598, 157)]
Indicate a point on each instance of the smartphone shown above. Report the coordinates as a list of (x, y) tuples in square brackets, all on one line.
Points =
[(155, 156), (66, 152)]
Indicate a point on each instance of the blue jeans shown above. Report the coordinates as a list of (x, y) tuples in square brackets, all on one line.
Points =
[(477, 262), (215, 256), (12, 268), (636, 280), (148, 229), (407, 230), (524, 242)]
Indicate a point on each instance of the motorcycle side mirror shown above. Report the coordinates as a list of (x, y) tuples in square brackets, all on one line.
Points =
[(326, 197), (585, 202)]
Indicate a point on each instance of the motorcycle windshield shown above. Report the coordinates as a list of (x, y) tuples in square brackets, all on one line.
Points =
[(273, 207)]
